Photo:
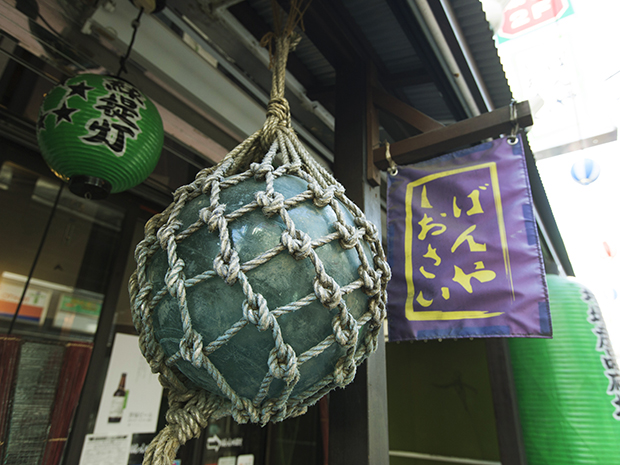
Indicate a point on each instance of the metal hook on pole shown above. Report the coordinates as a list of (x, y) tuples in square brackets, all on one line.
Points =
[(514, 119), (393, 168)]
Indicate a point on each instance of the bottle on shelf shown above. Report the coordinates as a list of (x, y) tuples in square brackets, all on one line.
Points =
[(118, 401)]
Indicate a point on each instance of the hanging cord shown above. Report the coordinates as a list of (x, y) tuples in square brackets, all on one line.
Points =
[(134, 24), (285, 39), (295, 18), (36, 259)]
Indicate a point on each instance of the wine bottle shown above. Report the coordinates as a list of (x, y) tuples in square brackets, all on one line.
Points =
[(118, 401)]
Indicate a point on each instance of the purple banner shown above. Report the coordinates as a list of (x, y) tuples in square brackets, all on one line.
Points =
[(463, 247)]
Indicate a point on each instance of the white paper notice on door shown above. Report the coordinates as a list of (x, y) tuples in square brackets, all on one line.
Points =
[(105, 449), (131, 394)]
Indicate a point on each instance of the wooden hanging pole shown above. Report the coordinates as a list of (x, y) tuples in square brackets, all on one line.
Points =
[(407, 113), (448, 138)]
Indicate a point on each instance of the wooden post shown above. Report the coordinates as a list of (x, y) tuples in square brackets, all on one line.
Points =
[(358, 427), (509, 434)]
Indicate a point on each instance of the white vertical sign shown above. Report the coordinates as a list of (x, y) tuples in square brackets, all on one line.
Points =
[(131, 394)]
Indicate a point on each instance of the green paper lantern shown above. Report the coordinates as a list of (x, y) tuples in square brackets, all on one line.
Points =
[(568, 387), (100, 134)]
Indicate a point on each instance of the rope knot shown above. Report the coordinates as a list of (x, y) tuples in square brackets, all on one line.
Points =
[(185, 422), (166, 235), (371, 279), (208, 180), (349, 235), (271, 204), (344, 372), (243, 411), (278, 118), (190, 348), (322, 197), (175, 279), (371, 232), (213, 217), (283, 363), (260, 170), (279, 111), (299, 244), (327, 291), (227, 266), (377, 309), (345, 328), (257, 312), (386, 271)]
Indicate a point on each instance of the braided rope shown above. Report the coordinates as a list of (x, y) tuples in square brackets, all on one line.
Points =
[(254, 159)]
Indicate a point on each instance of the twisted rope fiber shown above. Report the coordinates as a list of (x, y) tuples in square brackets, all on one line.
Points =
[(190, 408)]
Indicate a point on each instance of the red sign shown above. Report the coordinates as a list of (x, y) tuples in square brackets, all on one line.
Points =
[(524, 15)]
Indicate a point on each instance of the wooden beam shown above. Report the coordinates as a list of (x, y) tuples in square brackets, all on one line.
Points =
[(449, 138), (407, 113), (408, 78), (373, 174)]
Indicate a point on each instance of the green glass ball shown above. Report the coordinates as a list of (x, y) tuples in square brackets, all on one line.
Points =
[(216, 306), (100, 134)]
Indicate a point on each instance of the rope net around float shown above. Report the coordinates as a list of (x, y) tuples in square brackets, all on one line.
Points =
[(268, 154)]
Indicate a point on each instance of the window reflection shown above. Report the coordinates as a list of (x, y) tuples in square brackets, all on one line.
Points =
[(67, 287)]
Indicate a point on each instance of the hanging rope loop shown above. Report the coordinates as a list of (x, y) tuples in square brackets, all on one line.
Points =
[(280, 43)]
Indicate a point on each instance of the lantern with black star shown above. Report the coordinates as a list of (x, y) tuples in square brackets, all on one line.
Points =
[(100, 133)]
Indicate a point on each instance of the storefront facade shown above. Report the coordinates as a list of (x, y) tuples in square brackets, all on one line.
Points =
[(77, 255)]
